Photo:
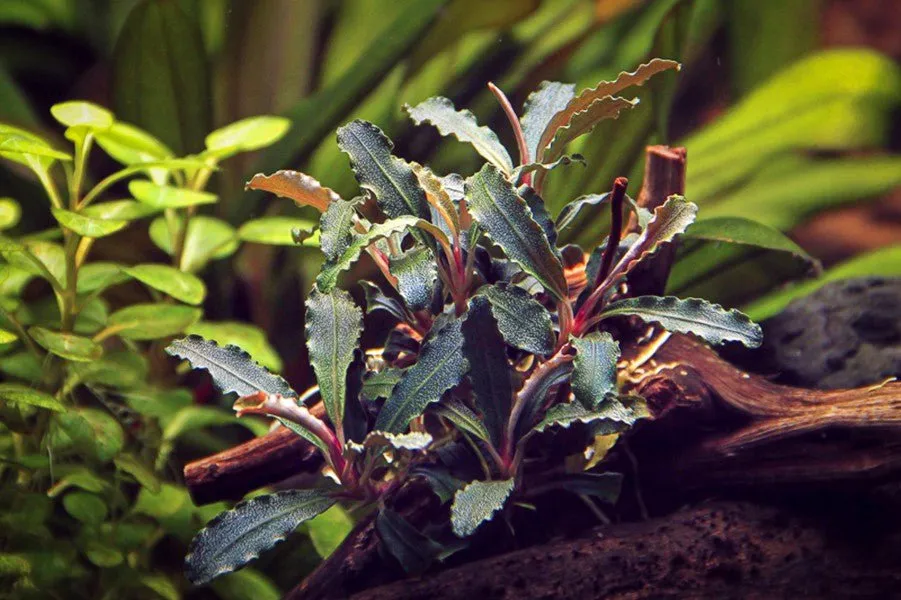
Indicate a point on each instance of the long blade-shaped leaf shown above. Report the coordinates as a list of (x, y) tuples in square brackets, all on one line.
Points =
[(489, 370), (613, 415), (236, 537), (232, 369), (583, 101), (709, 321), (440, 367), (477, 503), (301, 188), (522, 321), (336, 224), (494, 203), (438, 195), (413, 550), (549, 99), (390, 179), (333, 327), (462, 124), (594, 368)]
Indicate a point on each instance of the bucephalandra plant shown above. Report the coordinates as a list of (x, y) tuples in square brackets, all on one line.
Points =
[(493, 348)]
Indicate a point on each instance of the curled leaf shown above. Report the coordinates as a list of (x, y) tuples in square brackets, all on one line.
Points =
[(303, 189)]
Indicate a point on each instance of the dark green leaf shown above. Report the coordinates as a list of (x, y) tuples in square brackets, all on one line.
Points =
[(476, 503), (569, 213), (152, 321), (417, 274), (612, 415), (539, 212), (462, 124), (523, 322), (594, 368), (169, 280), (236, 537), (249, 338), (463, 418), (412, 441), (489, 370), (161, 76), (412, 549), (333, 327), (442, 483), (67, 345), (86, 507), (605, 486), (336, 224), (377, 300), (379, 385), (232, 369), (508, 221), (709, 321), (440, 367), (550, 98), (142, 473), (390, 179), (532, 396)]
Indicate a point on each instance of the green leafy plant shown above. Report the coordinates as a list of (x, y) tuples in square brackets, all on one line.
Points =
[(494, 347), (86, 429)]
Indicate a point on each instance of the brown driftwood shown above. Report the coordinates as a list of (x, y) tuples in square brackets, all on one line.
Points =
[(724, 550)]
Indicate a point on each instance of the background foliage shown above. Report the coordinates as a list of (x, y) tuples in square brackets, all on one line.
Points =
[(777, 128)]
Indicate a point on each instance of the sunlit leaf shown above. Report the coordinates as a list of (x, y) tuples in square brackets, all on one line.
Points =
[(328, 530), (78, 113), (126, 210), (167, 196), (66, 345), (10, 212), (152, 321), (303, 189), (438, 197), (171, 281), (476, 503), (336, 225), (99, 276), (238, 536), (274, 231), (7, 337), (441, 366), (22, 394), (87, 226), (709, 321), (390, 179), (462, 124), (245, 135), (508, 221), (130, 145), (550, 98), (207, 238)]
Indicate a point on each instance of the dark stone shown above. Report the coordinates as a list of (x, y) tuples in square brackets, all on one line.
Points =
[(846, 334)]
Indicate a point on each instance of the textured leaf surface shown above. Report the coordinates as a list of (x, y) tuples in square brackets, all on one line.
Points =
[(238, 536), (522, 321), (328, 277), (463, 418), (232, 369), (438, 196), (389, 178), (534, 391), (477, 503), (416, 272), (508, 221), (303, 189), (586, 98), (539, 212), (413, 440), (709, 321), (440, 367), (87, 226), (569, 214), (169, 280), (610, 416), (336, 224), (67, 345), (379, 385), (249, 338), (594, 368), (489, 370), (152, 321), (333, 327), (462, 124), (550, 98)]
